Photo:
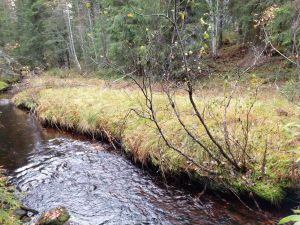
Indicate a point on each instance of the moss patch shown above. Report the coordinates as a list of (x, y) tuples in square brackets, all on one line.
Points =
[(7, 204), (3, 86)]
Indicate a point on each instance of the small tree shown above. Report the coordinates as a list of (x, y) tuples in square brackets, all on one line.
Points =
[(222, 146)]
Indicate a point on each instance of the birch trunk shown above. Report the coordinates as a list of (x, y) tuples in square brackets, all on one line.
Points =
[(214, 22), (92, 36), (71, 38), (80, 29)]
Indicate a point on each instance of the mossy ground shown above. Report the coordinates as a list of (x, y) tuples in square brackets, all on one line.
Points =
[(8, 204), (96, 107), (7, 81), (3, 86)]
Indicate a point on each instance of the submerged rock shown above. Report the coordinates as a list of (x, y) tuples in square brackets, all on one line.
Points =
[(56, 216), (29, 210), (26, 219), (20, 213), (24, 213)]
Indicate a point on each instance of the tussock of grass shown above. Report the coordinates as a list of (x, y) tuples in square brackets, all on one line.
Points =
[(96, 109)]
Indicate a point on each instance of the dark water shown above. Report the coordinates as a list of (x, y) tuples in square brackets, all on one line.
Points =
[(97, 186)]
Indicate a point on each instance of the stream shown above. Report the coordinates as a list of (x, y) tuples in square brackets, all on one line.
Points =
[(98, 186)]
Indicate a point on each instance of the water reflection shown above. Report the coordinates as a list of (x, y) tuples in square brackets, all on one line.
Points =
[(19, 135)]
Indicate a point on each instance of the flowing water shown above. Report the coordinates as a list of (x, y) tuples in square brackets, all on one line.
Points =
[(96, 185)]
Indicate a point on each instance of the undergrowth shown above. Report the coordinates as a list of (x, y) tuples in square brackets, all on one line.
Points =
[(92, 107)]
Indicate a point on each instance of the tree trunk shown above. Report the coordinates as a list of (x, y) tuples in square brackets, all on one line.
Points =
[(68, 59), (92, 35), (80, 29), (214, 22), (221, 23), (71, 38), (214, 41)]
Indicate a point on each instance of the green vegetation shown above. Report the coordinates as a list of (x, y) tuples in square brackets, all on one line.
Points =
[(8, 204), (106, 33), (7, 81), (293, 218), (217, 92), (3, 86), (91, 107)]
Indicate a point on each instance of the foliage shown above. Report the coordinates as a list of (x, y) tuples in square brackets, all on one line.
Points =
[(291, 90), (56, 72), (280, 26), (293, 218), (6, 25), (248, 12), (121, 34)]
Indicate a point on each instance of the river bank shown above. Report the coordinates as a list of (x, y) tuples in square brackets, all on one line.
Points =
[(91, 107), (97, 184), (8, 202)]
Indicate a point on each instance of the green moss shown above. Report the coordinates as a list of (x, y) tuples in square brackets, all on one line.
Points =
[(3, 86), (270, 192), (8, 204), (10, 79)]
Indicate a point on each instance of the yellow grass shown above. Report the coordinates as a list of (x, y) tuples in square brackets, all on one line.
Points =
[(93, 107)]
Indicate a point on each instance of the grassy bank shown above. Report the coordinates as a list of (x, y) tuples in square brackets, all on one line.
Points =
[(92, 106), (8, 204)]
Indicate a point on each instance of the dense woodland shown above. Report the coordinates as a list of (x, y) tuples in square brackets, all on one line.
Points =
[(205, 88), (125, 35)]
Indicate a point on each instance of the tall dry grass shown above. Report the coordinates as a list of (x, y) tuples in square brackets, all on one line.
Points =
[(93, 107)]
